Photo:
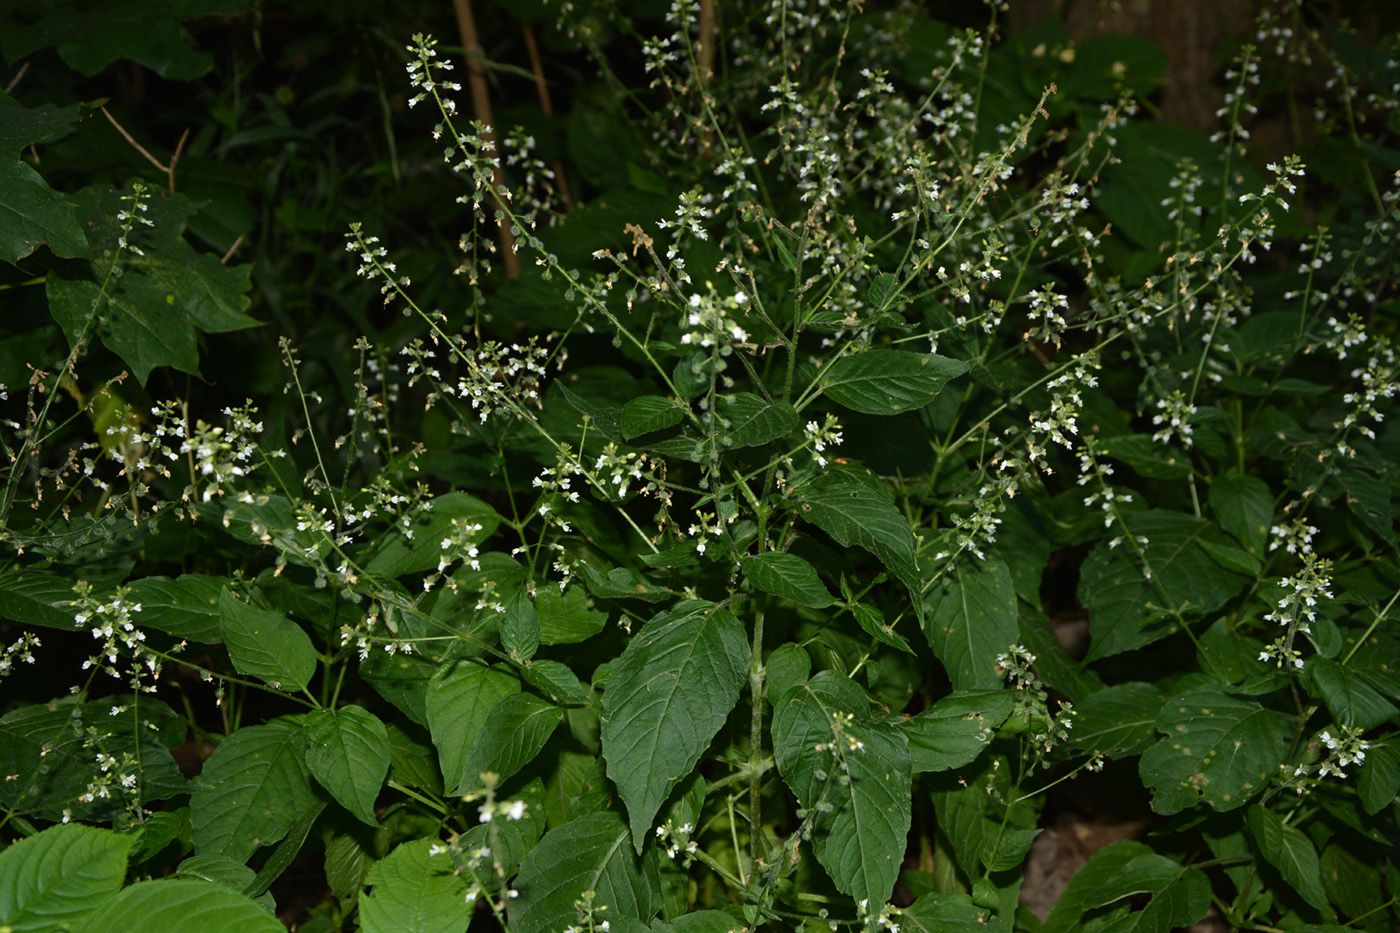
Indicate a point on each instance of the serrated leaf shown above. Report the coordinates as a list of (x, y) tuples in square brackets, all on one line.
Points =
[(853, 776), (1378, 780), (882, 289), (669, 693), (953, 731), (51, 880), (787, 576), (944, 913), (459, 702), (520, 628), (1118, 721), (887, 382), (591, 853), (515, 730), (1292, 853), (1127, 610), (980, 836), (872, 622), (37, 597), (648, 413), (186, 606), (415, 891), (219, 869), (32, 215), (567, 618), (556, 681), (177, 904), (266, 645), (855, 513), (1244, 507), (416, 545), (347, 751), (749, 421), (1176, 896), (1351, 697), (253, 790), (1217, 749), (971, 617)]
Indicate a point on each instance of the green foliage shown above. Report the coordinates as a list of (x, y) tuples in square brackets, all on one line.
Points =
[(795, 468)]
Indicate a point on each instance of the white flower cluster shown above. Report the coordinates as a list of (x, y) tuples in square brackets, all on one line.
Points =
[(122, 650), (678, 841), (1296, 610), (823, 436), (1173, 419), (22, 650)]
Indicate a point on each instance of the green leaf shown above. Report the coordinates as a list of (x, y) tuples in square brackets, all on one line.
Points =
[(416, 544), (1292, 853), (89, 38), (669, 693), (186, 606), (887, 382), (944, 913), (347, 751), (520, 628), (971, 618), (22, 126), (567, 618), (1217, 749), (1378, 780), (1128, 611), (953, 731), (459, 702), (853, 776), (32, 215), (982, 836), (515, 730), (1147, 457), (882, 290), (266, 645), (217, 868), (787, 576), (701, 921), (746, 420), (648, 413), (1176, 897), (590, 853), (1244, 507), (1118, 721), (857, 512), (53, 879), (179, 905), (37, 597), (415, 891), (1351, 696), (253, 790), (556, 681), (873, 623)]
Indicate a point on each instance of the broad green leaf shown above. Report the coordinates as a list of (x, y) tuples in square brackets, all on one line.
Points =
[(944, 913), (22, 126), (981, 834), (882, 289), (1244, 507), (178, 905), (953, 731), (857, 512), (49, 748), (459, 703), (567, 618), (1147, 457), (32, 215), (516, 729), (217, 868), (1176, 897), (971, 617), (520, 628), (591, 853), (648, 413), (853, 775), (1378, 780), (555, 680), (887, 382), (1352, 884), (669, 693), (1216, 749), (787, 576), (413, 890), (51, 880), (347, 751), (348, 860), (1368, 498), (266, 645), (746, 420), (1352, 696), (186, 606), (415, 545), (786, 668), (89, 38), (1118, 721), (702, 921), (1126, 609), (253, 790), (37, 597), (1290, 851)]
